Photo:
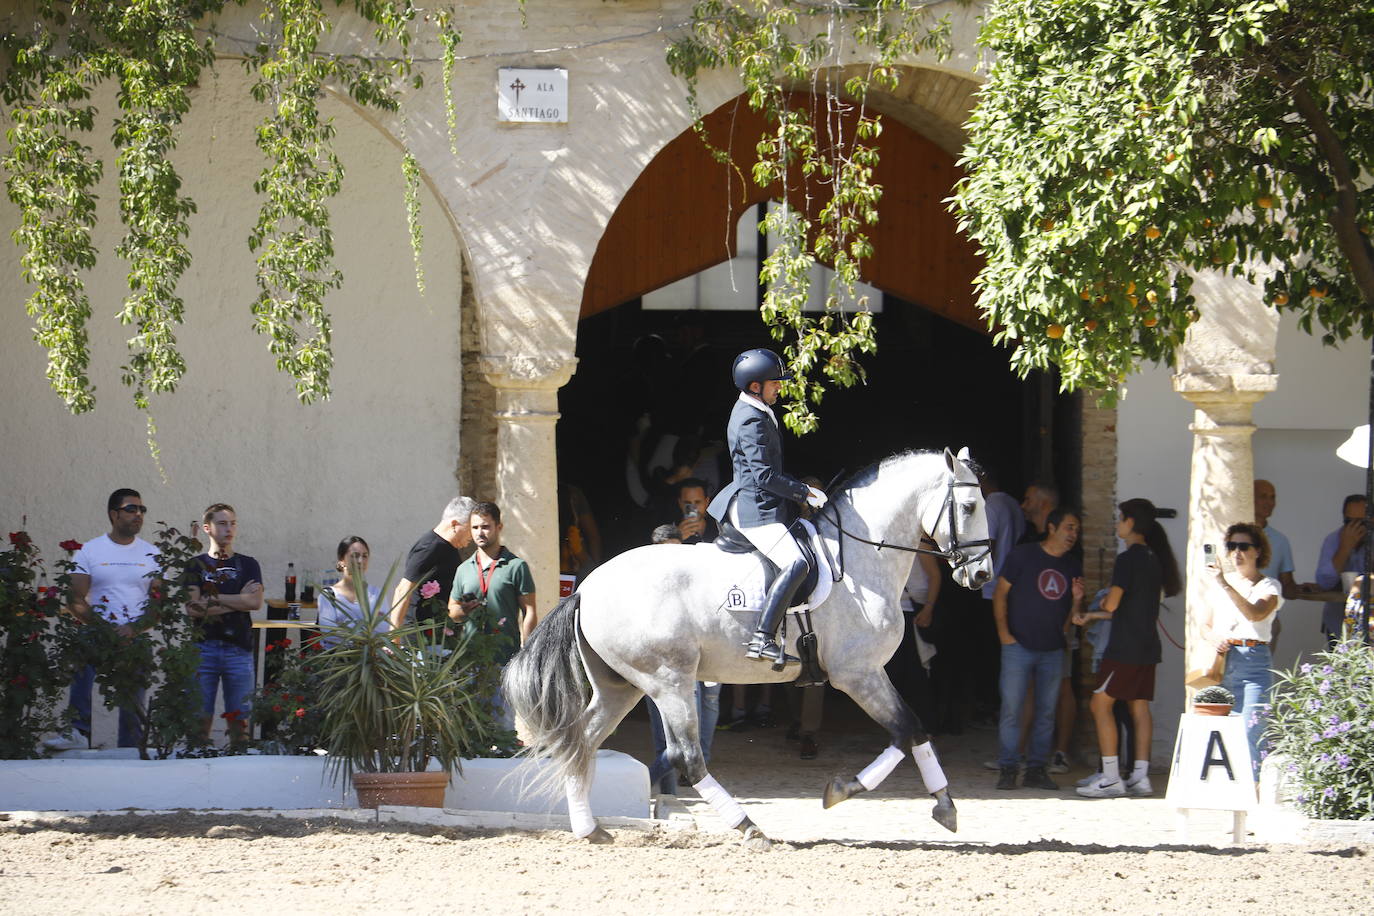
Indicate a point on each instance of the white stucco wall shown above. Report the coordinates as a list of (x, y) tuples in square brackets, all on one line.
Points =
[(378, 460), (1322, 393)]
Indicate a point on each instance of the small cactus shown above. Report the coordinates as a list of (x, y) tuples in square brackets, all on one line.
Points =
[(1218, 695)]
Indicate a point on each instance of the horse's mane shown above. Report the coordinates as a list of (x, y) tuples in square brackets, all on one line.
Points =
[(869, 474)]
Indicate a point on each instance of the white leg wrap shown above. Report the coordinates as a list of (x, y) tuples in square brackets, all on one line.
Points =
[(580, 809), (724, 803), (931, 773), (874, 774)]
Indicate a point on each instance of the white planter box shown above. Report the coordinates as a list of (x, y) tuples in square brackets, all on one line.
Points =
[(103, 782)]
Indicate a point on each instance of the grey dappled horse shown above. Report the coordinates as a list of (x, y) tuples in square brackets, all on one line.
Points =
[(653, 621)]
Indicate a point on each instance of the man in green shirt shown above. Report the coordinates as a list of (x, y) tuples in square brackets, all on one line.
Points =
[(494, 589)]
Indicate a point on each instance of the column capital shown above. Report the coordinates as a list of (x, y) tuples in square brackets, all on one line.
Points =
[(528, 373)]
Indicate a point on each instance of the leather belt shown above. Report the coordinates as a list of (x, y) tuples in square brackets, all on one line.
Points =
[(1247, 643)]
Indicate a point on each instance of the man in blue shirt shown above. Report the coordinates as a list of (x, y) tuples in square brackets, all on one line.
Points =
[(1343, 550), (1040, 586)]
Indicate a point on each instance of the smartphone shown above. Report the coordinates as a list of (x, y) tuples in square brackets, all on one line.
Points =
[(1209, 554), (690, 512)]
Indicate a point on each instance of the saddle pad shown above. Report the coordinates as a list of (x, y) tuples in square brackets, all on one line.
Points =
[(747, 592)]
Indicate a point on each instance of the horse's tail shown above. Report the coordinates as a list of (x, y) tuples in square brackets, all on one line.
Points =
[(546, 687)]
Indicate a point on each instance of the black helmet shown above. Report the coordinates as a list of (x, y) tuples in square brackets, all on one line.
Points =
[(758, 366)]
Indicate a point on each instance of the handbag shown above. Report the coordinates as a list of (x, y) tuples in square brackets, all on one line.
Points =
[(1207, 677)]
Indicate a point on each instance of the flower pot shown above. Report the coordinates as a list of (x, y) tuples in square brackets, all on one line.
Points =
[(421, 790), (1212, 709)]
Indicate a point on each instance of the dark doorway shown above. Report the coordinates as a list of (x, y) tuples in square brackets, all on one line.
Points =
[(643, 375)]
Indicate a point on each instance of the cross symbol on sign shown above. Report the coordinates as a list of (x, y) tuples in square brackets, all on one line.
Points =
[(517, 86)]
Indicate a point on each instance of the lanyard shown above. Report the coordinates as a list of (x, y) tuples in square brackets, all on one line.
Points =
[(484, 576)]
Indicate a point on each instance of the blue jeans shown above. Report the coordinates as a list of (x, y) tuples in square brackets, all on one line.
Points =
[(661, 774), (1022, 667), (83, 682), (1249, 678), (231, 664)]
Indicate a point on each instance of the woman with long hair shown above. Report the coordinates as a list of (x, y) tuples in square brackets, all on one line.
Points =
[(339, 603), (1144, 570), (1240, 622)]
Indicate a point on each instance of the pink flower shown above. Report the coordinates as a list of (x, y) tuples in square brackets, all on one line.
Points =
[(429, 589), (448, 631), (501, 622)]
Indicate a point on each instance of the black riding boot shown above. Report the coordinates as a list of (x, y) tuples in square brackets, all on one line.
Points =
[(764, 646)]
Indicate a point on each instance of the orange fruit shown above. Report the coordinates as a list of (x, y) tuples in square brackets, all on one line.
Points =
[(1151, 296), (1132, 300), (1047, 224), (1152, 232), (1054, 331), (1265, 202), (1151, 321), (1085, 295), (1280, 298), (1317, 293), (1090, 324)]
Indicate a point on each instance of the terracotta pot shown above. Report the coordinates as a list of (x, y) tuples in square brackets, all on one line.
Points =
[(421, 790), (1212, 709)]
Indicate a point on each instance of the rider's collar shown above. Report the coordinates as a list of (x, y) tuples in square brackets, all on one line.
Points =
[(754, 402)]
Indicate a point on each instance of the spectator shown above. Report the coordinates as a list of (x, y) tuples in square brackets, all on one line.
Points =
[(1040, 500), (694, 525), (1241, 611), (1040, 586), (1280, 565), (339, 603), (1343, 550), (117, 569), (227, 588), (1006, 524), (579, 550), (494, 590), (433, 558), (1145, 568)]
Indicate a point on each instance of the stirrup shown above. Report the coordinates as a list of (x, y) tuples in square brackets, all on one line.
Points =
[(765, 648)]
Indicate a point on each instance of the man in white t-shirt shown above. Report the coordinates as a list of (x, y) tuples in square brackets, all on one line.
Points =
[(111, 580)]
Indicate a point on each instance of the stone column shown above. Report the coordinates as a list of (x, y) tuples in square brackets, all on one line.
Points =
[(1222, 478), (527, 461)]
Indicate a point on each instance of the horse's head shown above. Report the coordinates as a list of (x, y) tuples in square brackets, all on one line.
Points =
[(958, 521)]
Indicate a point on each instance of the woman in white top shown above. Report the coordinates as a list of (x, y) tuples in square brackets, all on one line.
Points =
[(1240, 622), (339, 604)]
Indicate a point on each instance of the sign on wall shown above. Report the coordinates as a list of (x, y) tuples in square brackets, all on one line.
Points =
[(532, 96)]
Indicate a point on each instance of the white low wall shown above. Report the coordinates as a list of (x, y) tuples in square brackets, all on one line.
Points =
[(106, 782)]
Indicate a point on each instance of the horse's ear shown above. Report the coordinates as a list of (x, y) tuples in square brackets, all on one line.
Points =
[(964, 455), (950, 459)]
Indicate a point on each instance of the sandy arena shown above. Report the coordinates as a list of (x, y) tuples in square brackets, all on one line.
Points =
[(1016, 852)]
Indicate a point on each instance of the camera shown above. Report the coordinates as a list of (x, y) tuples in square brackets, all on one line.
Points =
[(470, 596)]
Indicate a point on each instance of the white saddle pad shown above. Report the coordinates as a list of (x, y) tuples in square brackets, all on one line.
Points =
[(747, 592)]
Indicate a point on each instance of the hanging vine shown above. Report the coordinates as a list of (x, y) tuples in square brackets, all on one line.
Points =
[(819, 158)]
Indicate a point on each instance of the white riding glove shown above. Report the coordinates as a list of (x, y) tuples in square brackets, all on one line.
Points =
[(816, 498)]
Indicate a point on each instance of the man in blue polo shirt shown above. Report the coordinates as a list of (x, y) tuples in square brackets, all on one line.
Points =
[(494, 590), (1041, 584)]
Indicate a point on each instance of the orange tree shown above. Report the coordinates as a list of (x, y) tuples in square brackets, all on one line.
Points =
[(1120, 144)]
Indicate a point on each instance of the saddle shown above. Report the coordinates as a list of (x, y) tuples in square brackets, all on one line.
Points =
[(731, 540)]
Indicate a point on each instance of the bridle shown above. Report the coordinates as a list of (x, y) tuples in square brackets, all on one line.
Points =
[(956, 554)]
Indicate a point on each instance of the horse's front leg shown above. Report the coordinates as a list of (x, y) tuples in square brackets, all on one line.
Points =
[(876, 695)]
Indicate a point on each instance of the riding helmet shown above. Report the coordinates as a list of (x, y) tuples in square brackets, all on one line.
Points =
[(758, 366)]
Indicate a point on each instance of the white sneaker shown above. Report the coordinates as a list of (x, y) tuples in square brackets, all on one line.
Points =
[(70, 740), (1140, 787), (1089, 779), (1060, 763), (1099, 789)]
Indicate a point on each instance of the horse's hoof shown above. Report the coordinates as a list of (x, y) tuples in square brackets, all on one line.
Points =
[(599, 837), (840, 789), (944, 813), (755, 840)]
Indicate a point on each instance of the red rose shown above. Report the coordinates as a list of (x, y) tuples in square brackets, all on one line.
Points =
[(276, 708), (269, 647), (70, 545), (300, 713), (20, 539)]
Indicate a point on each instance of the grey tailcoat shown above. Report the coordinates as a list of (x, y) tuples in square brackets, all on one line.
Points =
[(766, 494)]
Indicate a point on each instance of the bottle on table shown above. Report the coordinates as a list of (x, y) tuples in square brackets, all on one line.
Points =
[(290, 581)]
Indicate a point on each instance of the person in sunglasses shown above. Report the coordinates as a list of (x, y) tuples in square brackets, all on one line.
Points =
[(110, 587), (1240, 619)]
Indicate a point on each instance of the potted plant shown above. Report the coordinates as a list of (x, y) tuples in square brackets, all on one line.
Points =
[(1213, 701), (392, 701)]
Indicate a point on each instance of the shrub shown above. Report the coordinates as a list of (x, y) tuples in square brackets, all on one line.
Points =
[(1323, 724), (30, 683)]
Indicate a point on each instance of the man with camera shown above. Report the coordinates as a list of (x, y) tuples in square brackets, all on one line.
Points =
[(494, 590), (694, 526)]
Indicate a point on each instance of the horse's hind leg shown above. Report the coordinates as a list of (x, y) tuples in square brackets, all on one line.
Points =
[(609, 704), (679, 711), (876, 695)]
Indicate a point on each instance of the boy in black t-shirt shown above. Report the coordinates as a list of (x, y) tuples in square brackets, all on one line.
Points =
[(226, 588)]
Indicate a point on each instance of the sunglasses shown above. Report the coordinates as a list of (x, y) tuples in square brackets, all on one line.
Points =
[(1239, 545), (141, 510)]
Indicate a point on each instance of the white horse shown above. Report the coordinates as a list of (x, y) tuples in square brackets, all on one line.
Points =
[(655, 620)]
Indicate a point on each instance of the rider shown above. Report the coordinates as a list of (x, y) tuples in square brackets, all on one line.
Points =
[(761, 502)]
